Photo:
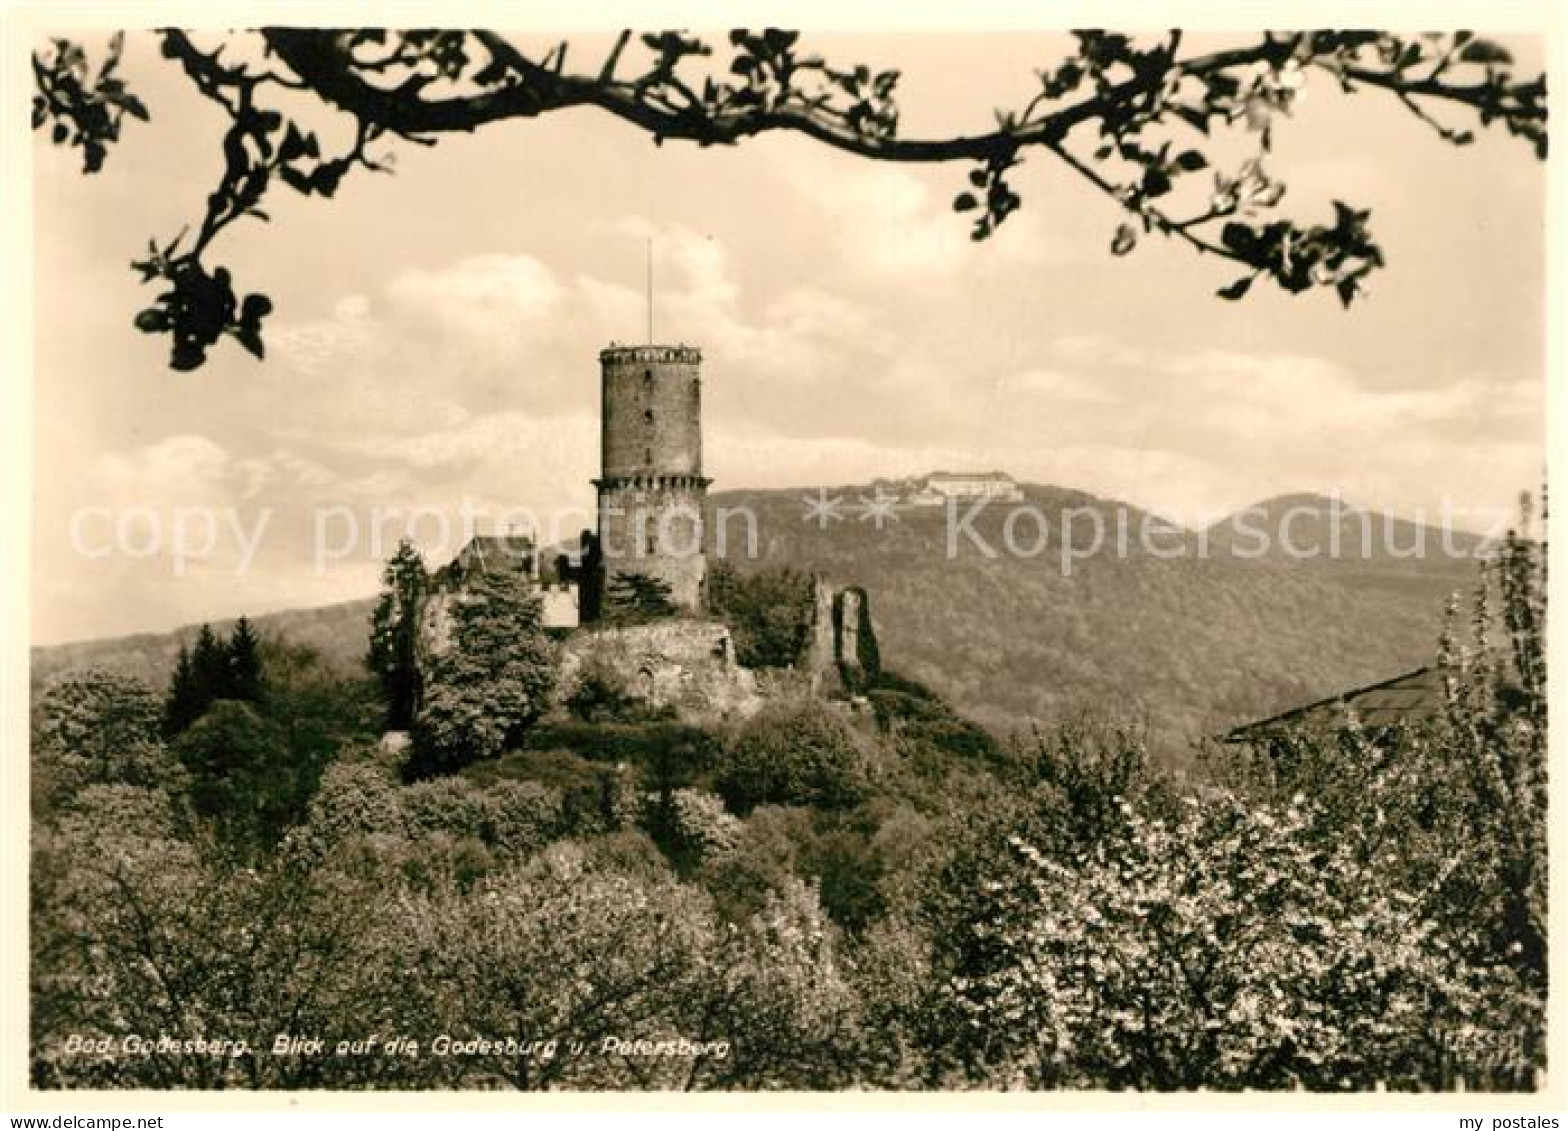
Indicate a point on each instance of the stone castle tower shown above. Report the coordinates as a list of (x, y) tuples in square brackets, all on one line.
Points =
[(651, 487)]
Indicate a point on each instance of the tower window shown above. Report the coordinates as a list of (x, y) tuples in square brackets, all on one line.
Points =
[(648, 415), (647, 456), (653, 544), (647, 377)]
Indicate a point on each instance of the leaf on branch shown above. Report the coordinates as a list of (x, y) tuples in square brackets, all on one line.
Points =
[(492, 72), (152, 320), (1485, 51), (1237, 289), (87, 111), (1197, 119), (255, 308), (1238, 237), (251, 340), (1133, 104)]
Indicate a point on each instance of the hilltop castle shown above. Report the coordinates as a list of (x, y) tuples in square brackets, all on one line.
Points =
[(651, 496), (651, 532)]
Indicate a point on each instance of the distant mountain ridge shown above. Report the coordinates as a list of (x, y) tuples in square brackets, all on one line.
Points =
[(1308, 522), (340, 633), (1193, 637)]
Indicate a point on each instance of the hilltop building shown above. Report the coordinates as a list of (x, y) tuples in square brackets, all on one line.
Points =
[(937, 488)]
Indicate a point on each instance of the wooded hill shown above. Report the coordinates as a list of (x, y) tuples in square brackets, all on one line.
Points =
[(1194, 643)]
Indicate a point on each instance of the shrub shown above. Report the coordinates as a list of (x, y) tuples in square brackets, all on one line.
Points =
[(99, 727), (930, 735), (445, 805), (524, 817), (243, 778), (116, 812), (690, 825), (770, 614), (670, 753), (763, 859), (355, 799), (513, 818), (601, 695), (796, 753), (592, 797)]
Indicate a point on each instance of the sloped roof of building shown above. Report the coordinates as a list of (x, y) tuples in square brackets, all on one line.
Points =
[(1408, 698), (498, 550)]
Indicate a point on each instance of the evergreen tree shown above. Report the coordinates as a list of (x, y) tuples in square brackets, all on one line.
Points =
[(183, 704), (215, 669), (245, 675), (394, 634), (209, 667)]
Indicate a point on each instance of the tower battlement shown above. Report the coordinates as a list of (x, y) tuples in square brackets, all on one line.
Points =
[(685, 355)]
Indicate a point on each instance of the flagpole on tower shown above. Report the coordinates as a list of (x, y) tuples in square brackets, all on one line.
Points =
[(650, 290)]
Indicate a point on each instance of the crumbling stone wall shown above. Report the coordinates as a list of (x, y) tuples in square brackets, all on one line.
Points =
[(689, 664), (685, 664), (843, 654), (855, 650)]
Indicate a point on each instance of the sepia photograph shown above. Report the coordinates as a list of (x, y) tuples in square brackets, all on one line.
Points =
[(770, 560)]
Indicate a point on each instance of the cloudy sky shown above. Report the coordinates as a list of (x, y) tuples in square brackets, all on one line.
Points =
[(436, 332)]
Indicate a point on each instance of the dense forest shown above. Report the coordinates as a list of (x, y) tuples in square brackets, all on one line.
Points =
[(865, 891)]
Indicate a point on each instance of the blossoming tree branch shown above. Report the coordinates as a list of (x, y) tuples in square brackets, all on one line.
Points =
[(1139, 118)]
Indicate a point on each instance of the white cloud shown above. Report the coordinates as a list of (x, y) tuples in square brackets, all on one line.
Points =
[(1204, 432), (482, 294), (177, 468), (891, 222), (1053, 386)]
